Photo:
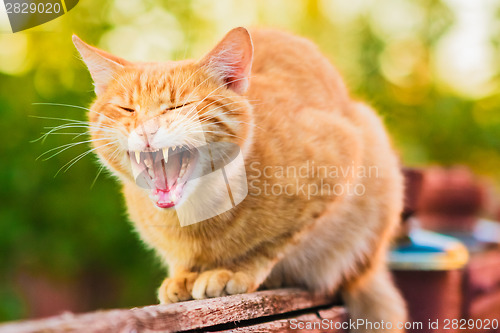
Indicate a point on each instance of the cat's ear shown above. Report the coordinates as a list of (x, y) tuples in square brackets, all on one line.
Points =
[(102, 65), (231, 60)]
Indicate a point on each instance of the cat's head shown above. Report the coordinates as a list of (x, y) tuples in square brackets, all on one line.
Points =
[(155, 123)]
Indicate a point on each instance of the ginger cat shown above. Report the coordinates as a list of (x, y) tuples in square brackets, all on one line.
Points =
[(285, 107)]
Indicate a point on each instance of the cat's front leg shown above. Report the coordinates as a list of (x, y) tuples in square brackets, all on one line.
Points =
[(237, 279), (222, 282), (177, 288), (185, 285)]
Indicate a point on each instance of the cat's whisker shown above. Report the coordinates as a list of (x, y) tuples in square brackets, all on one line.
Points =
[(190, 118), (76, 107), (220, 132), (54, 130), (66, 126), (87, 125), (66, 133), (230, 111), (187, 80), (56, 118), (224, 85), (182, 86), (74, 122), (75, 135), (81, 134), (68, 146), (219, 87), (197, 86), (82, 155), (57, 129), (206, 120), (61, 149), (191, 115), (235, 122), (102, 167), (116, 80)]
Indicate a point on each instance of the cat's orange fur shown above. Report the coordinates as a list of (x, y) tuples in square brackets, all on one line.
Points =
[(294, 110)]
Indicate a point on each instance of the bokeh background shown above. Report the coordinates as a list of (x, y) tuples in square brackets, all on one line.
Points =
[(430, 67)]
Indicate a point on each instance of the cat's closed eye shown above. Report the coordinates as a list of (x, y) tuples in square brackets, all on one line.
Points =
[(170, 108), (178, 106), (126, 109)]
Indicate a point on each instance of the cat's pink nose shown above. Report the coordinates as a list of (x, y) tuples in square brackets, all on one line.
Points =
[(145, 134), (147, 130)]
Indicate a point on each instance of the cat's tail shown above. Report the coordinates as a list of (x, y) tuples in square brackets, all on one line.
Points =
[(375, 303)]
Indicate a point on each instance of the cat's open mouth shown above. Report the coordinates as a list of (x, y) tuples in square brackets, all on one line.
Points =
[(164, 172)]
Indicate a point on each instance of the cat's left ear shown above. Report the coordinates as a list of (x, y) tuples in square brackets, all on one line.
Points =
[(231, 60), (102, 65)]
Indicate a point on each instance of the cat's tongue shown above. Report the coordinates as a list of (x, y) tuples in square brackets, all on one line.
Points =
[(167, 189), (161, 172), (166, 174)]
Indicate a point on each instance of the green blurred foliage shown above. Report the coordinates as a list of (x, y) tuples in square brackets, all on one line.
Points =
[(67, 230)]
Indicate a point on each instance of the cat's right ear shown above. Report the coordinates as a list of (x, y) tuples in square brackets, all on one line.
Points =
[(231, 60), (102, 65)]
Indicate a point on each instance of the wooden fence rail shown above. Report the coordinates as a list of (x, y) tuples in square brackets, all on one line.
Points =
[(265, 311)]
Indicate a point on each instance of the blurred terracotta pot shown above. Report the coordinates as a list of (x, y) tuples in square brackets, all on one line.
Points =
[(450, 200), (413, 183), (413, 179)]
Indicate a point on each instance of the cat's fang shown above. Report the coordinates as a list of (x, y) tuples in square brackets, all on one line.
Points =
[(165, 154), (138, 157)]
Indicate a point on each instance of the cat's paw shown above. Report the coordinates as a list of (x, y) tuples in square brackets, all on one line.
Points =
[(221, 282), (177, 288)]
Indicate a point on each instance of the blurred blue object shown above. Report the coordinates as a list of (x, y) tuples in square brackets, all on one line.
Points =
[(426, 250)]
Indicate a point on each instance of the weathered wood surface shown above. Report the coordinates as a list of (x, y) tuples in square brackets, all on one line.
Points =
[(241, 313)]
